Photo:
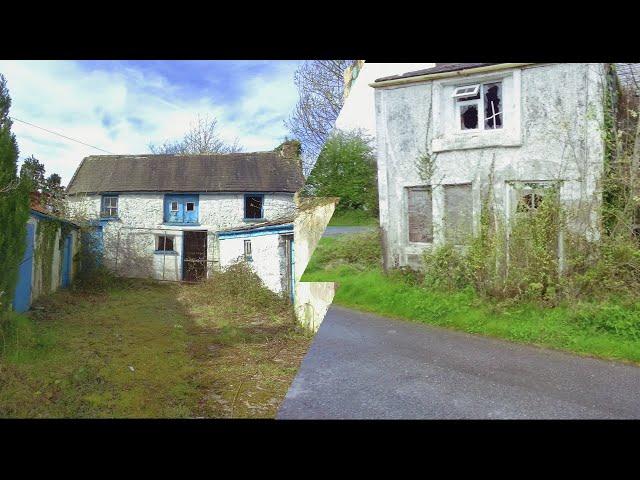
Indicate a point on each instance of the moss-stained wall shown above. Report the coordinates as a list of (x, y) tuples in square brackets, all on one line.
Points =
[(49, 252)]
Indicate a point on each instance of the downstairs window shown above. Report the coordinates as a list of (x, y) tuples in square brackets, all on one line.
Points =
[(164, 243)]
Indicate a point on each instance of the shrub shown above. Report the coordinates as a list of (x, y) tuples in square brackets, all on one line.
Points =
[(237, 290), (446, 267)]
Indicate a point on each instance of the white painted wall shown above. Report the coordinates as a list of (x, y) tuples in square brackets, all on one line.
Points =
[(358, 110), (131, 251), (558, 136), (267, 258)]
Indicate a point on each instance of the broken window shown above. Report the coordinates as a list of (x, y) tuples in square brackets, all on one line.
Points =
[(164, 243), (458, 213), (247, 250), (492, 105), (190, 206), (530, 195), (479, 106), (109, 206), (253, 206), (420, 216)]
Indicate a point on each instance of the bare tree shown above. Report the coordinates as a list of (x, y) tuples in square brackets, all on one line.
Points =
[(320, 84), (202, 137)]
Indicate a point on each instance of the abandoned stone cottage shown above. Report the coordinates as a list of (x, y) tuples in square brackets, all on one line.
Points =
[(446, 134), (180, 217)]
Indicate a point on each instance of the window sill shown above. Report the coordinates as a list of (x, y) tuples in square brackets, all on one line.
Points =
[(254, 220), (182, 224), (165, 252), (109, 219), (483, 139)]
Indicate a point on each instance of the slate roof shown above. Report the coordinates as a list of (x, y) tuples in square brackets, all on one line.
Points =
[(439, 68), (233, 172)]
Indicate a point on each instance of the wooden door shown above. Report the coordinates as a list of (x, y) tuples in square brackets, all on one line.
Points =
[(194, 260)]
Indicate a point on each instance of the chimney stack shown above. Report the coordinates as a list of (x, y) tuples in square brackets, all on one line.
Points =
[(291, 149)]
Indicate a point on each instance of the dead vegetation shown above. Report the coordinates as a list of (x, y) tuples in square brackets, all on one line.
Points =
[(249, 340)]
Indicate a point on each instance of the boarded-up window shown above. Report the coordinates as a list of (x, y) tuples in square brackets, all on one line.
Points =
[(420, 215), (458, 213)]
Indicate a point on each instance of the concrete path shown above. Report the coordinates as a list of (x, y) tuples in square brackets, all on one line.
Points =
[(335, 231), (365, 366)]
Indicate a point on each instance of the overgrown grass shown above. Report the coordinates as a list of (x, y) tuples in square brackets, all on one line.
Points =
[(608, 328), (137, 348), (353, 218)]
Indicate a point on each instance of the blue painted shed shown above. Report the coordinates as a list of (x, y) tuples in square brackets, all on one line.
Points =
[(32, 280)]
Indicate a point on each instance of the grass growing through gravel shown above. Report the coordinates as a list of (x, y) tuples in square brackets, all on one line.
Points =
[(607, 329), (137, 348)]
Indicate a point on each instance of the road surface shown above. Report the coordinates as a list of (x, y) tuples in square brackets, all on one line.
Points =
[(362, 366)]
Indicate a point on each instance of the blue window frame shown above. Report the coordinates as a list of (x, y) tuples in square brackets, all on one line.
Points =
[(181, 209), (253, 206), (109, 206)]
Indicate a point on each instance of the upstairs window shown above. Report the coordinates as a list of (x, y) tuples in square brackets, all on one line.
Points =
[(181, 209), (253, 206), (109, 206), (479, 107)]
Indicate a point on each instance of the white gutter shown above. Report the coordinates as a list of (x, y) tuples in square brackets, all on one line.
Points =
[(456, 73)]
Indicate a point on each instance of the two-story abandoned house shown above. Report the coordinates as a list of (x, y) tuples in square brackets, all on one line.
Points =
[(447, 133), (180, 217)]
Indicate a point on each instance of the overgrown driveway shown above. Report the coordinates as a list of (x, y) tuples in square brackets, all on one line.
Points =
[(365, 366), (139, 348)]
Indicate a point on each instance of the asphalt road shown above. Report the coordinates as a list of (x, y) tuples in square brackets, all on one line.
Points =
[(362, 366)]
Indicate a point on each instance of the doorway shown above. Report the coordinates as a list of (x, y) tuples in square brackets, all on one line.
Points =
[(194, 259)]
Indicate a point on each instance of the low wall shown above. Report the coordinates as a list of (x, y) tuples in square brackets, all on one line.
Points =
[(312, 299)]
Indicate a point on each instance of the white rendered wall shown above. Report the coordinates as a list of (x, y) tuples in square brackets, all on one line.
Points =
[(130, 241), (559, 138), (267, 257), (358, 110)]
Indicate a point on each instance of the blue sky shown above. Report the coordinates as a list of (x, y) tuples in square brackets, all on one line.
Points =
[(122, 106)]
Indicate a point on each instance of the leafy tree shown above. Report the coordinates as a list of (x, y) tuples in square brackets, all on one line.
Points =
[(346, 168), (54, 192), (202, 137), (14, 203), (320, 85), (33, 170)]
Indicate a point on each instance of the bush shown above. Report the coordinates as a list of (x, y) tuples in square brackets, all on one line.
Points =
[(361, 251), (237, 290), (611, 318), (446, 267)]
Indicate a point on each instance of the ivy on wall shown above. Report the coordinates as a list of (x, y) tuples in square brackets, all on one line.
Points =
[(46, 234)]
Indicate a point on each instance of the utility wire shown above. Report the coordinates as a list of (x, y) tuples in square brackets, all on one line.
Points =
[(60, 135)]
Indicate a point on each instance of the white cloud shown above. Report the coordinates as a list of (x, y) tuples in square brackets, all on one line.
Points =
[(123, 110)]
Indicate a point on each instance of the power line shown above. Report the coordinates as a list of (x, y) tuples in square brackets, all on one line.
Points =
[(60, 135)]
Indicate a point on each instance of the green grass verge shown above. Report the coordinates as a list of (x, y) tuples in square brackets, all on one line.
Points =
[(352, 218), (605, 329)]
